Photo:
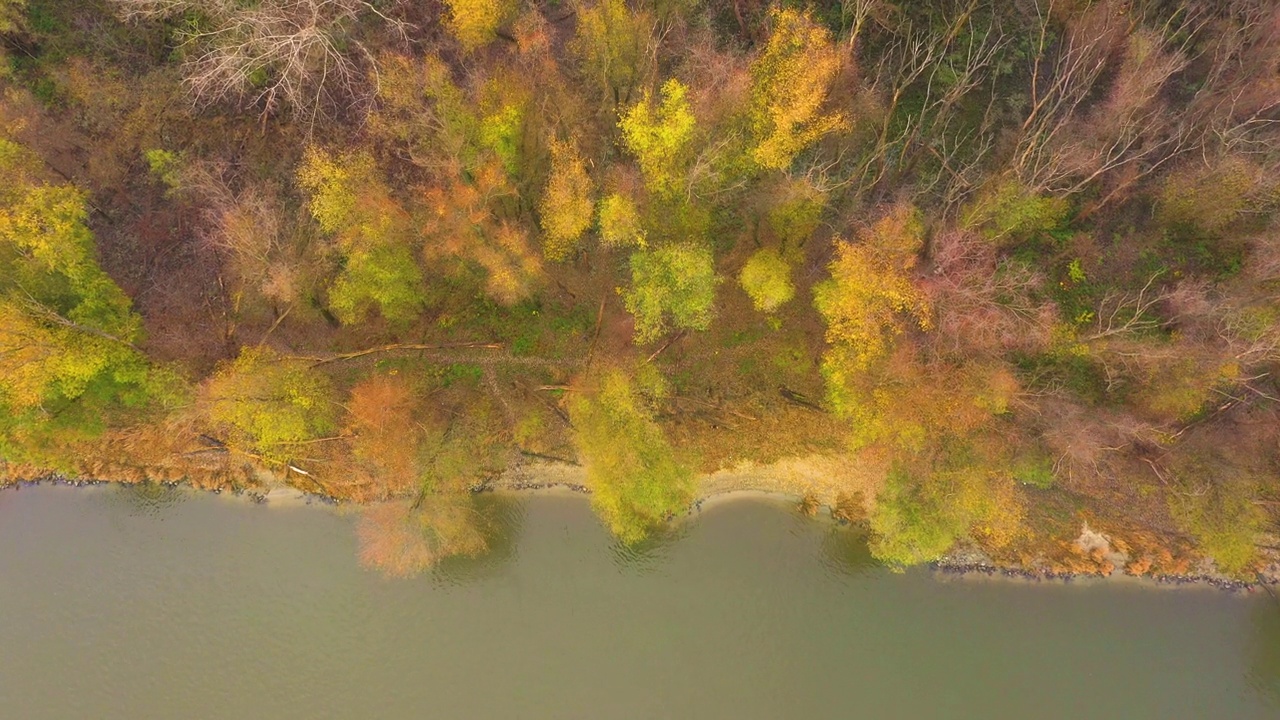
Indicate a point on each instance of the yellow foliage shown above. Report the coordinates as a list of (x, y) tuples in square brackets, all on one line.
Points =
[(659, 135), (791, 79), (270, 403), (567, 208), (611, 44), (620, 222), (476, 22), (870, 298), (635, 479)]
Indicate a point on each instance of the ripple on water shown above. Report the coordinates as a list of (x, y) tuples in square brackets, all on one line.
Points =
[(147, 499)]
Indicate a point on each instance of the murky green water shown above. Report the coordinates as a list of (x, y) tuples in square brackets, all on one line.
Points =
[(115, 604)]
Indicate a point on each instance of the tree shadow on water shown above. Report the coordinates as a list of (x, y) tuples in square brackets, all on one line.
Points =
[(1264, 649), (846, 551), (502, 519)]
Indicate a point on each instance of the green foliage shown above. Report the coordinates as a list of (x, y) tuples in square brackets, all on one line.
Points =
[(674, 281), (385, 277), (66, 329), (1009, 213), (767, 279), (567, 206), (1215, 504), (635, 479), (912, 524), (797, 214), (166, 166), (660, 136), (271, 403), (1033, 468), (1200, 201), (620, 225), (790, 82), (379, 270), (926, 507), (502, 132)]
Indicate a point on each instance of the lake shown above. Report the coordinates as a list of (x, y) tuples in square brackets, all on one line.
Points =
[(126, 603)]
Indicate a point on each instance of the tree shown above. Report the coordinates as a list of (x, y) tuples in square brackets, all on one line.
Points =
[(402, 538), (926, 507), (790, 82), (379, 270), (477, 22), (612, 44), (461, 221), (620, 224), (767, 279), (676, 281), (1009, 212), (385, 436), (636, 482), (67, 331), (567, 206), (870, 298), (270, 404), (660, 136)]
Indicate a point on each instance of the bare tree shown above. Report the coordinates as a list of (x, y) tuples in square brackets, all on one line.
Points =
[(272, 54)]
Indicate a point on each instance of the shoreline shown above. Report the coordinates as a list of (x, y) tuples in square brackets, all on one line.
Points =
[(958, 565)]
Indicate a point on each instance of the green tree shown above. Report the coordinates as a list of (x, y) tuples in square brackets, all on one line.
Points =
[(567, 205), (790, 83), (67, 331), (660, 135), (271, 403), (1009, 212), (767, 279), (379, 270), (674, 281), (635, 479)]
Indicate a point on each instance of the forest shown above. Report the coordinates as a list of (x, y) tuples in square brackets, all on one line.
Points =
[(1010, 269)]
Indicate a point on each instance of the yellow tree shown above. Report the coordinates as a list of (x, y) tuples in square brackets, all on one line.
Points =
[(790, 83), (871, 297), (612, 44), (269, 404), (660, 135), (567, 207), (67, 331), (477, 22)]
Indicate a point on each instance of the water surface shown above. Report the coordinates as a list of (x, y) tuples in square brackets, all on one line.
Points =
[(116, 603)]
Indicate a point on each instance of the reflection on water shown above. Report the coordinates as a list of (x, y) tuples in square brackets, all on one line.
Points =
[(127, 603), (501, 519), (1264, 668), (845, 551)]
